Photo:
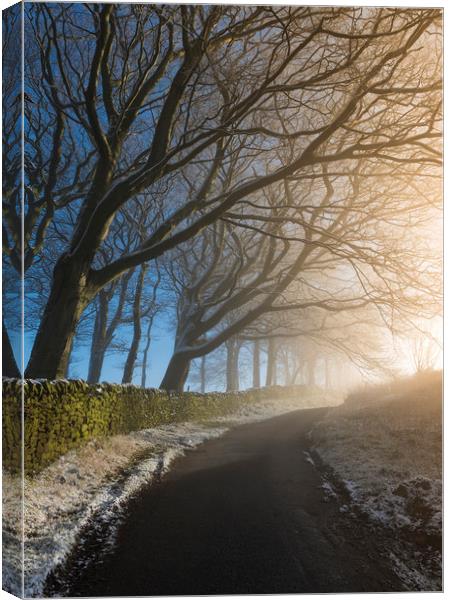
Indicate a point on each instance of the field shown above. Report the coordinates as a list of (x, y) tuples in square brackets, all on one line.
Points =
[(384, 447)]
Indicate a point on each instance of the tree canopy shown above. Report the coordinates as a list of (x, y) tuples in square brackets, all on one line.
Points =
[(274, 158)]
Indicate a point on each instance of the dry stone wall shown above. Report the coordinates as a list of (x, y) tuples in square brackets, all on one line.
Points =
[(61, 415)]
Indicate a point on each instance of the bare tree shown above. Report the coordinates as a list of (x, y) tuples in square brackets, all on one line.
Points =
[(11, 189), (137, 329), (104, 330), (233, 345), (425, 351), (208, 372), (338, 257), (271, 362), (235, 99), (148, 337), (256, 363)]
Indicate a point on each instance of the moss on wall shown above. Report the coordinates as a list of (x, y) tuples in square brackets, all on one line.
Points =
[(61, 415)]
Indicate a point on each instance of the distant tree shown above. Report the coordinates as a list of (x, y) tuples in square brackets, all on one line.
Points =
[(104, 328), (270, 378), (256, 363), (425, 352), (148, 337), (208, 372), (142, 309), (233, 346)]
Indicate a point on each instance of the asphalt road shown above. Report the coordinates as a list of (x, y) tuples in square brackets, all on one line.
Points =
[(244, 513)]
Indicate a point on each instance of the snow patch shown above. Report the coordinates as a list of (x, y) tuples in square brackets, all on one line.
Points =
[(328, 488), (308, 458), (352, 488)]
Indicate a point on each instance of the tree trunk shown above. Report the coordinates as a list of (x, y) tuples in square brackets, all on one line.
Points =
[(203, 374), (96, 362), (230, 353), (98, 345), (9, 363), (68, 298), (327, 374), (303, 373), (285, 360), (271, 361), (104, 333), (295, 374), (70, 359), (256, 364), (232, 365), (176, 373), (311, 371), (137, 330), (145, 354)]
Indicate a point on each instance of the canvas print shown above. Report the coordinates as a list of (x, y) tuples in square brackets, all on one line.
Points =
[(222, 299)]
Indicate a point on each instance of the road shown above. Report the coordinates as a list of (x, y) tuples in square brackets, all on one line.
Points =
[(244, 513)]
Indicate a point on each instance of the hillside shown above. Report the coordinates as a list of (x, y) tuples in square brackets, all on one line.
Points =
[(383, 448)]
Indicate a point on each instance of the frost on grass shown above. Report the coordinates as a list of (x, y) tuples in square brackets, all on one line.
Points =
[(265, 409), (387, 453), (12, 535), (97, 478), (308, 458), (91, 485), (328, 489)]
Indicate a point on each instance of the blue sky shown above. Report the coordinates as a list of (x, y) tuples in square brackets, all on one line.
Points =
[(160, 352)]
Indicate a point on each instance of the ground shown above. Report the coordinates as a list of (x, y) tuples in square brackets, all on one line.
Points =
[(383, 446), (334, 499), (243, 513), (91, 487)]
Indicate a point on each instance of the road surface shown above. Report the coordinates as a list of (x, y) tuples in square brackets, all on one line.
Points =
[(244, 513)]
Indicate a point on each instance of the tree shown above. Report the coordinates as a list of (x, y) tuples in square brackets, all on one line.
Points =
[(256, 364), (334, 255), (137, 329), (184, 96), (233, 345), (271, 362), (11, 189), (104, 329), (425, 351), (142, 308), (148, 337), (208, 372)]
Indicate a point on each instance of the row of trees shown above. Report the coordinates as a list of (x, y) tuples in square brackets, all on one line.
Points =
[(298, 361), (266, 172)]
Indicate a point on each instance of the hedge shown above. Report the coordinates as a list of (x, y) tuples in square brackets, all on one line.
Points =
[(61, 415)]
